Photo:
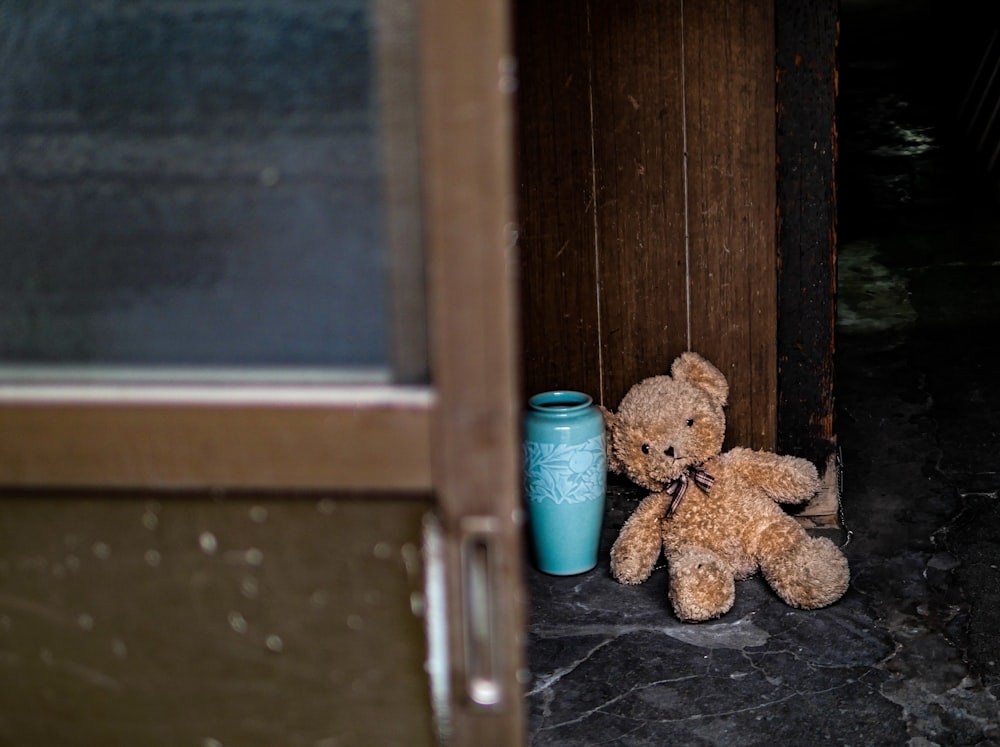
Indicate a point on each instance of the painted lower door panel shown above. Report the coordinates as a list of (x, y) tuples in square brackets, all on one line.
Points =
[(195, 620)]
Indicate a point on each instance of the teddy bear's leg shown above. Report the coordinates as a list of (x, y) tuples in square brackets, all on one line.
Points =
[(637, 548), (807, 572), (702, 586)]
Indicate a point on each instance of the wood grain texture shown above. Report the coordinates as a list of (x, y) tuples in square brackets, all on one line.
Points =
[(558, 262), (729, 64), (806, 142), (638, 133), (655, 71)]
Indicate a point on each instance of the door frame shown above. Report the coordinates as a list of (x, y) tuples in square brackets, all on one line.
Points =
[(468, 116)]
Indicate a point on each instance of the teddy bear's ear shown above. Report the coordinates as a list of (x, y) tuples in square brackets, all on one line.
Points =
[(695, 370), (610, 423)]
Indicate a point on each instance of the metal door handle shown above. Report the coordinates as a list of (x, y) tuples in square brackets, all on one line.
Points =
[(480, 546)]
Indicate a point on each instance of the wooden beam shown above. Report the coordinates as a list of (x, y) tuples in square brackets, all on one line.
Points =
[(806, 38), (186, 437)]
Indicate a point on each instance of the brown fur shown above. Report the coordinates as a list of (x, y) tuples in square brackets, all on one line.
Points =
[(729, 532)]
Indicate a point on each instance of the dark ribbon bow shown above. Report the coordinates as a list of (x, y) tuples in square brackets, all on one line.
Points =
[(679, 485)]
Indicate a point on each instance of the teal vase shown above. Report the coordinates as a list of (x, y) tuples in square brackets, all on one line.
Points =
[(565, 477)]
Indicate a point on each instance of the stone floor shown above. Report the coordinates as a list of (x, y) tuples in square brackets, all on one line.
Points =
[(910, 655)]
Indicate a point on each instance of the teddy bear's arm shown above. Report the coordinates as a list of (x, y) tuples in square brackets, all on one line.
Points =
[(786, 479), (637, 548)]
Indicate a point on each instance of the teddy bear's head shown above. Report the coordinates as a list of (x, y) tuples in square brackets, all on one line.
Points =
[(666, 424)]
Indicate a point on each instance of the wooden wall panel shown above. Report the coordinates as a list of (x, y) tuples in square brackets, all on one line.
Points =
[(729, 64), (639, 154), (650, 73), (559, 320)]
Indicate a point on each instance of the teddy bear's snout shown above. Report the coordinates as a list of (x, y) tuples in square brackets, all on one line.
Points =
[(663, 462), (668, 452)]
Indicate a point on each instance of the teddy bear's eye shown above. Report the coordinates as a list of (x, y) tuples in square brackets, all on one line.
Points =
[(645, 448), (690, 422)]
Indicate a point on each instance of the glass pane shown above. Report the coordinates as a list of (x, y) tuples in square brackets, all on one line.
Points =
[(191, 184)]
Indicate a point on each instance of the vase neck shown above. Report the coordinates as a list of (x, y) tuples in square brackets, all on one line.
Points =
[(560, 402)]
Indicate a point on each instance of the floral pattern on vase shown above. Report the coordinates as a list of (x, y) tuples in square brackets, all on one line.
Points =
[(565, 473)]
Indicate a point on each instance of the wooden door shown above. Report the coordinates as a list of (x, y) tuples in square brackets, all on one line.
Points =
[(293, 557)]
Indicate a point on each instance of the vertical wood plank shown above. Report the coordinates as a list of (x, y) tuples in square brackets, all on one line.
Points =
[(639, 161), (558, 280), (729, 66), (469, 79), (806, 40), (651, 284)]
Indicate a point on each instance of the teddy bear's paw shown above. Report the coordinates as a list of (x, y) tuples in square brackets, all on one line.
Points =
[(814, 575), (702, 586), (632, 563), (802, 482), (637, 548)]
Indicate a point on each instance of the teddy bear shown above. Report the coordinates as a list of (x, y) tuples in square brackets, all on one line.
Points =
[(716, 515)]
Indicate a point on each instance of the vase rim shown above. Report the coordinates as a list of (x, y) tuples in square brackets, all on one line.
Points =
[(560, 400)]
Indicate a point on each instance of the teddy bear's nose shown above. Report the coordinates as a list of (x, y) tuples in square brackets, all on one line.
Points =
[(669, 451)]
